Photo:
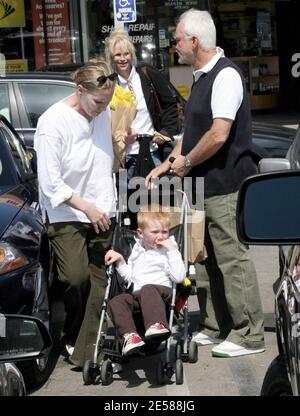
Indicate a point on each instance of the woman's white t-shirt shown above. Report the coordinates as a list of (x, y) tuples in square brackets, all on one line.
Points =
[(74, 156)]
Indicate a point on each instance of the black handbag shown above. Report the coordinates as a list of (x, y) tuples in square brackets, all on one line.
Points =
[(180, 103)]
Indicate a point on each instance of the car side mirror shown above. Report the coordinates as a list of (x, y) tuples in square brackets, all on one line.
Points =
[(23, 337), (268, 209)]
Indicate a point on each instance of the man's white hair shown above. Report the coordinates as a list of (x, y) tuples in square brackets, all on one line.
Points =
[(200, 24)]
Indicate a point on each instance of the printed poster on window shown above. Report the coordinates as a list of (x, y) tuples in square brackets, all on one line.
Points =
[(12, 13), (263, 28), (57, 30), (182, 4), (16, 65)]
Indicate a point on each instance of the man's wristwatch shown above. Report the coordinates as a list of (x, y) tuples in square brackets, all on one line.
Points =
[(187, 163)]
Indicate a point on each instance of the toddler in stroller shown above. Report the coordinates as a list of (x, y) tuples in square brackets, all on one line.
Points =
[(153, 266)]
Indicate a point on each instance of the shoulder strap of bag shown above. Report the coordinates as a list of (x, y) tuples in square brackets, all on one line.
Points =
[(157, 103)]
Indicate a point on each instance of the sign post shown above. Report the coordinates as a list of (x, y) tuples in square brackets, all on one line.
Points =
[(124, 12)]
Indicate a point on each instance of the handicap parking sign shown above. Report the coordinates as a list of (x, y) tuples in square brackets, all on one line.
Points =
[(125, 11)]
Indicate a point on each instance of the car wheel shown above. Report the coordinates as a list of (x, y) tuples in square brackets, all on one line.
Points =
[(276, 382), (36, 372)]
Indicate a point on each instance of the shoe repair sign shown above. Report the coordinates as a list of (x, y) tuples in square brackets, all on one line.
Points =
[(125, 11)]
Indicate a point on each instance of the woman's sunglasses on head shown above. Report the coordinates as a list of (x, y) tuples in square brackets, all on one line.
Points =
[(102, 79)]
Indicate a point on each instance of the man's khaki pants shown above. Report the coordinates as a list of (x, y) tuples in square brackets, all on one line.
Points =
[(227, 287)]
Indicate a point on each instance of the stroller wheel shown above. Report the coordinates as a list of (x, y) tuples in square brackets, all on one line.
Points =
[(193, 352), (178, 350), (106, 373), (179, 372), (90, 372), (160, 373)]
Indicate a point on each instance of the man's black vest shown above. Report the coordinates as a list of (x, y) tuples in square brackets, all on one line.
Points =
[(223, 172)]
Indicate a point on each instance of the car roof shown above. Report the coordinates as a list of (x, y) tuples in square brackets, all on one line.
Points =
[(55, 76), (274, 130)]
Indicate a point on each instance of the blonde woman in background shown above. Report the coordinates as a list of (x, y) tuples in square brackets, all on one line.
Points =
[(120, 52), (75, 158)]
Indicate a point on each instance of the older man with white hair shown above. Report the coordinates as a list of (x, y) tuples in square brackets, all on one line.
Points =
[(217, 146)]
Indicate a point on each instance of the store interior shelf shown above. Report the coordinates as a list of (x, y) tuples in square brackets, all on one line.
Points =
[(241, 6), (262, 78)]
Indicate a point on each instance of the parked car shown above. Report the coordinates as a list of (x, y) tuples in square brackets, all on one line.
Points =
[(25, 257), (21, 338), (275, 140), (268, 214), (25, 96)]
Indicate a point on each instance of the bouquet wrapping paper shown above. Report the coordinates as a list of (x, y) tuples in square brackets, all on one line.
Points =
[(123, 112)]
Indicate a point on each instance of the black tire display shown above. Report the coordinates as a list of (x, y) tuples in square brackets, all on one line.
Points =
[(178, 350), (160, 373), (106, 373), (179, 372), (89, 373), (276, 382), (193, 352)]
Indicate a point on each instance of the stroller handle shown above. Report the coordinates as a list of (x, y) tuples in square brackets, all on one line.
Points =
[(109, 270), (171, 160), (144, 136)]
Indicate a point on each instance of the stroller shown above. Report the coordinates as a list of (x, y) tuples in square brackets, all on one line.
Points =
[(108, 346)]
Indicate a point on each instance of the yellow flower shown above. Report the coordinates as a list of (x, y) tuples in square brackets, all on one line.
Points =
[(122, 97), (186, 282)]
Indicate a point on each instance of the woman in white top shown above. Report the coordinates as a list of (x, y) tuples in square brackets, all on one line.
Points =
[(75, 158)]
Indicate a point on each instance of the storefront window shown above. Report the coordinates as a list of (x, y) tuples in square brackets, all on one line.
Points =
[(245, 28), (37, 33), (151, 33), (44, 33)]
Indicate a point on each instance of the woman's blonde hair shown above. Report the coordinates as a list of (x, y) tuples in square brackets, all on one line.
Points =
[(153, 212), (122, 39), (89, 74)]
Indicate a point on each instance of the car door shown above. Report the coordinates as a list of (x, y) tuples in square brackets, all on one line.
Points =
[(34, 97), (287, 308)]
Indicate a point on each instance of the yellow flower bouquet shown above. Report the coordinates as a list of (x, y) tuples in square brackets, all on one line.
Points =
[(123, 112)]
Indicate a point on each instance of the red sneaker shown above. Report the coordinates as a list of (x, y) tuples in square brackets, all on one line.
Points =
[(132, 343), (156, 330)]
